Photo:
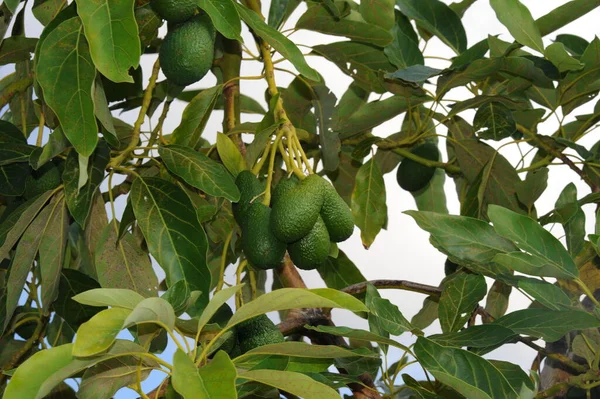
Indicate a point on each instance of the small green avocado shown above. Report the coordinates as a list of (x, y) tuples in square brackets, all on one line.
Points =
[(258, 331), (312, 250), (174, 11), (413, 176), (262, 249)]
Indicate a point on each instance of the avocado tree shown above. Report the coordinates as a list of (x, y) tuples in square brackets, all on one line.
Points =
[(121, 241)]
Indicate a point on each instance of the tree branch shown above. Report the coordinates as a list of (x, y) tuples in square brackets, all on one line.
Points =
[(405, 285)]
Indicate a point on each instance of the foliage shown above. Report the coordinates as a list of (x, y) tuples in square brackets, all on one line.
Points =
[(76, 281)]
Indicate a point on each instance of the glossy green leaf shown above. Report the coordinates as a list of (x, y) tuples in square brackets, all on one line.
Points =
[(79, 200), (494, 121), (549, 295), (437, 18), (195, 116), (52, 251), (340, 272), (16, 48), (73, 282), (99, 333), (389, 316), (369, 202), (215, 304), (292, 298), (357, 335), (360, 61), (294, 383), (471, 242), (29, 377), (152, 310), (302, 349), (45, 10), (230, 155), (460, 295), (557, 54), (14, 225), (414, 73), (175, 239), (319, 19), (279, 42), (519, 22), (473, 53), (224, 17), (573, 89), (114, 297), (564, 14), (375, 113), (533, 238), (57, 143), (215, 380), (497, 299), (123, 263), (280, 10), (574, 225), (427, 314), (66, 74), (550, 325), (378, 13), (432, 198), (470, 375), (200, 171), (404, 50), (112, 33), (480, 336), (573, 44)]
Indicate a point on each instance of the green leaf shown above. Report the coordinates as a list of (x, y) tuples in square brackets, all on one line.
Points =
[(79, 199), (470, 242), (280, 10), (340, 272), (564, 14), (215, 380), (319, 19), (215, 304), (389, 316), (573, 89), (519, 22), (375, 113), (378, 12), (199, 171), (29, 377), (14, 225), (99, 333), (427, 314), (573, 44), (13, 179), (480, 336), (460, 295), (57, 143), (45, 10), (14, 152), (230, 155), (473, 53), (123, 264), (437, 18), (557, 54), (152, 310), (292, 298), (497, 299), (52, 252), (433, 197), (279, 42), (369, 202), (357, 335), (175, 239), (404, 50), (468, 374), (294, 383), (323, 101), (362, 62), (533, 238), (575, 224), (414, 73), (112, 33), (195, 116), (16, 48), (73, 282), (551, 325), (224, 17), (549, 295), (115, 297), (66, 74), (494, 121)]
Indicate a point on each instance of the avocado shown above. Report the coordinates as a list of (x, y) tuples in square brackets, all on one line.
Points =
[(285, 184), (262, 249), (337, 216), (413, 176), (296, 210), (46, 178), (250, 188), (187, 52), (175, 11), (312, 250), (257, 331)]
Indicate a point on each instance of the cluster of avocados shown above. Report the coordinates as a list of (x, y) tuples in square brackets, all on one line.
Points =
[(304, 218), (187, 52)]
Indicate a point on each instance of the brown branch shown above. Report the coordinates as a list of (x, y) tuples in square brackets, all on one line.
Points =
[(405, 285)]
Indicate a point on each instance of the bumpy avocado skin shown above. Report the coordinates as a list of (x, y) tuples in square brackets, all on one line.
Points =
[(250, 187), (174, 11), (256, 332), (186, 54), (337, 216), (262, 249), (312, 250), (296, 211), (284, 186), (413, 176)]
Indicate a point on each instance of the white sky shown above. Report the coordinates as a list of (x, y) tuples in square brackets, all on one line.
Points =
[(403, 251)]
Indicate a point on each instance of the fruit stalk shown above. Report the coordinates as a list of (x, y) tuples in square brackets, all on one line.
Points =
[(230, 65)]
